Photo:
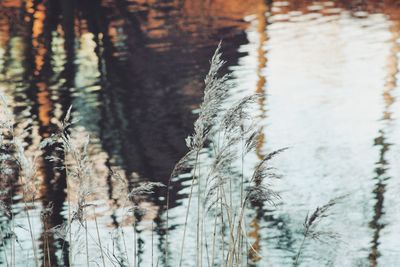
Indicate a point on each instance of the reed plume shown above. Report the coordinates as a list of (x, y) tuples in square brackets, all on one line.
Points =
[(311, 230)]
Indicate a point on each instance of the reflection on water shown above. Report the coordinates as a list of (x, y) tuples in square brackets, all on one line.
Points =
[(382, 165), (132, 71)]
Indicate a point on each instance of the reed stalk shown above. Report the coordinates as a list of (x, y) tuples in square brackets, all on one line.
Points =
[(99, 239), (87, 244)]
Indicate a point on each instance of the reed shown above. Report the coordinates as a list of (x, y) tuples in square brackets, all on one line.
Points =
[(227, 134), (311, 227), (231, 135), (26, 168)]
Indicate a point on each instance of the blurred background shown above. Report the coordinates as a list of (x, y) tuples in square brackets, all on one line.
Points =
[(133, 72)]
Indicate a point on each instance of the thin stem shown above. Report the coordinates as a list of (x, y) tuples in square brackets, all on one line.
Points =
[(247, 254), (32, 235), (200, 215), (188, 209), (13, 235), (99, 239), (296, 262), (47, 244), (198, 234), (240, 219), (152, 242), (134, 242), (126, 250), (70, 222), (241, 197), (167, 222), (214, 235), (222, 234), (87, 244)]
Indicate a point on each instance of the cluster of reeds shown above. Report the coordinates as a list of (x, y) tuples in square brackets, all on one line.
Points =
[(75, 234), (16, 164), (226, 135), (219, 197)]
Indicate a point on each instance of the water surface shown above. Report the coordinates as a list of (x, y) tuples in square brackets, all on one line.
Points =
[(133, 72)]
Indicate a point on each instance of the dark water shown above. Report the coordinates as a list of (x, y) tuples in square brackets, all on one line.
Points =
[(133, 72)]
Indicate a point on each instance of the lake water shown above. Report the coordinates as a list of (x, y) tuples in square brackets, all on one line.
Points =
[(133, 72)]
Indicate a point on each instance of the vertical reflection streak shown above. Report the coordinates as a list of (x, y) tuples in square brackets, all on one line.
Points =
[(53, 174), (382, 165), (262, 15)]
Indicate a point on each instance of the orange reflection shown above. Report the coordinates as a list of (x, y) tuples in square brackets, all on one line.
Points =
[(262, 22), (29, 9), (37, 29), (254, 251), (4, 32), (393, 69), (45, 104), (11, 3)]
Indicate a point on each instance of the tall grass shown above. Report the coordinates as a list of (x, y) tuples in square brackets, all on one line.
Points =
[(220, 192), (231, 136), (25, 167)]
